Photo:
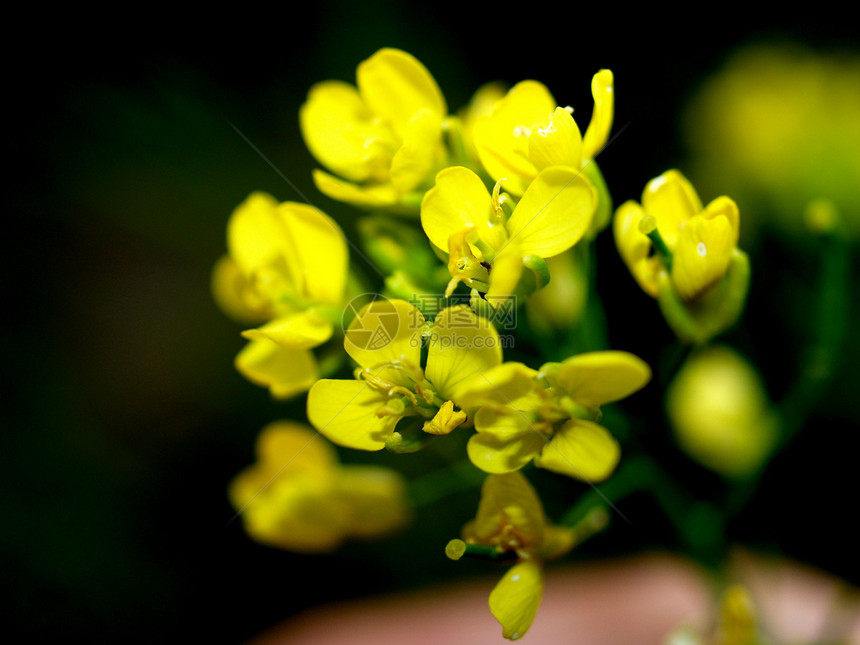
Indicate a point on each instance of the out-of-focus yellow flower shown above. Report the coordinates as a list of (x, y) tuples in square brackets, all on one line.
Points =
[(680, 252), (488, 241), (511, 521), (384, 137), (482, 104), (300, 498), (527, 132), (286, 266), (385, 339), (550, 416), (779, 126), (720, 413)]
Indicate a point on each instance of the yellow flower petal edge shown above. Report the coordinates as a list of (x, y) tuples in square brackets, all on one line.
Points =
[(595, 378), (395, 85), (285, 371), (515, 599), (597, 134), (345, 413), (582, 450)]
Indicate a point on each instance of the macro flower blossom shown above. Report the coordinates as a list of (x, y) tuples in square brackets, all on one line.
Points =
[(274, 274), (550, 416), (511, 522), (381, 139), (298, 497), (488, 241), (685, 255), (527, 132), (385, 339)]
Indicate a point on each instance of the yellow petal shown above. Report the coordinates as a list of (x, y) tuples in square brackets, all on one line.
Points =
[(498, 455), (508, 500), (255, 237), (603, 91), (395, 85), (414, 162), (554, 212), (462, 347), (515, 599), (297, 512), (557, 144), (286, 372), (595, 378), (341, 133), (369, 197), (581, 449), (288, 445), (303, 330), (725, 206), (457, 201), (385, 331), (635, 247), (672, 200), (345, 413), (502, 139), (317, 253), (376, 499), (233, 293), (506, 273), (702, 254), (445, 421), (506, 384)]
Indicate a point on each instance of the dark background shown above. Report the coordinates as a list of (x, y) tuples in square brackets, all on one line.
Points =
[(123, 419)]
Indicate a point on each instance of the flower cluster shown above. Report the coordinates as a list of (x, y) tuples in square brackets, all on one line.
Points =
[(494, 192)]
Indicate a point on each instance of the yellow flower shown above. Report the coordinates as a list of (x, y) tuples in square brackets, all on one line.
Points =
[(385, 339), (487, 244), (528, 132), (685, 255), (298, 497), (286, 266), (720, 413), (550, 415), (511, 520), (383, 137)]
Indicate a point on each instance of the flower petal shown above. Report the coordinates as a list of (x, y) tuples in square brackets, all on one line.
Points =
[(595, 378), (376, 499), (288, 445), (702, 254), (508, 500), (255, 238), (420, 152), (385, 331), (554, 213), (316, 252), (494, 454), (515, 599), (506, 384), (303, 330), (462, 347), (672, 200), (597, 133), (233, 293), (369, 197), (457, 201), (395, 85), (557, 144), (337, 127), (725, 206), (502, 139), (345, 413), (284, 371), (635, 247), (581, 449)]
